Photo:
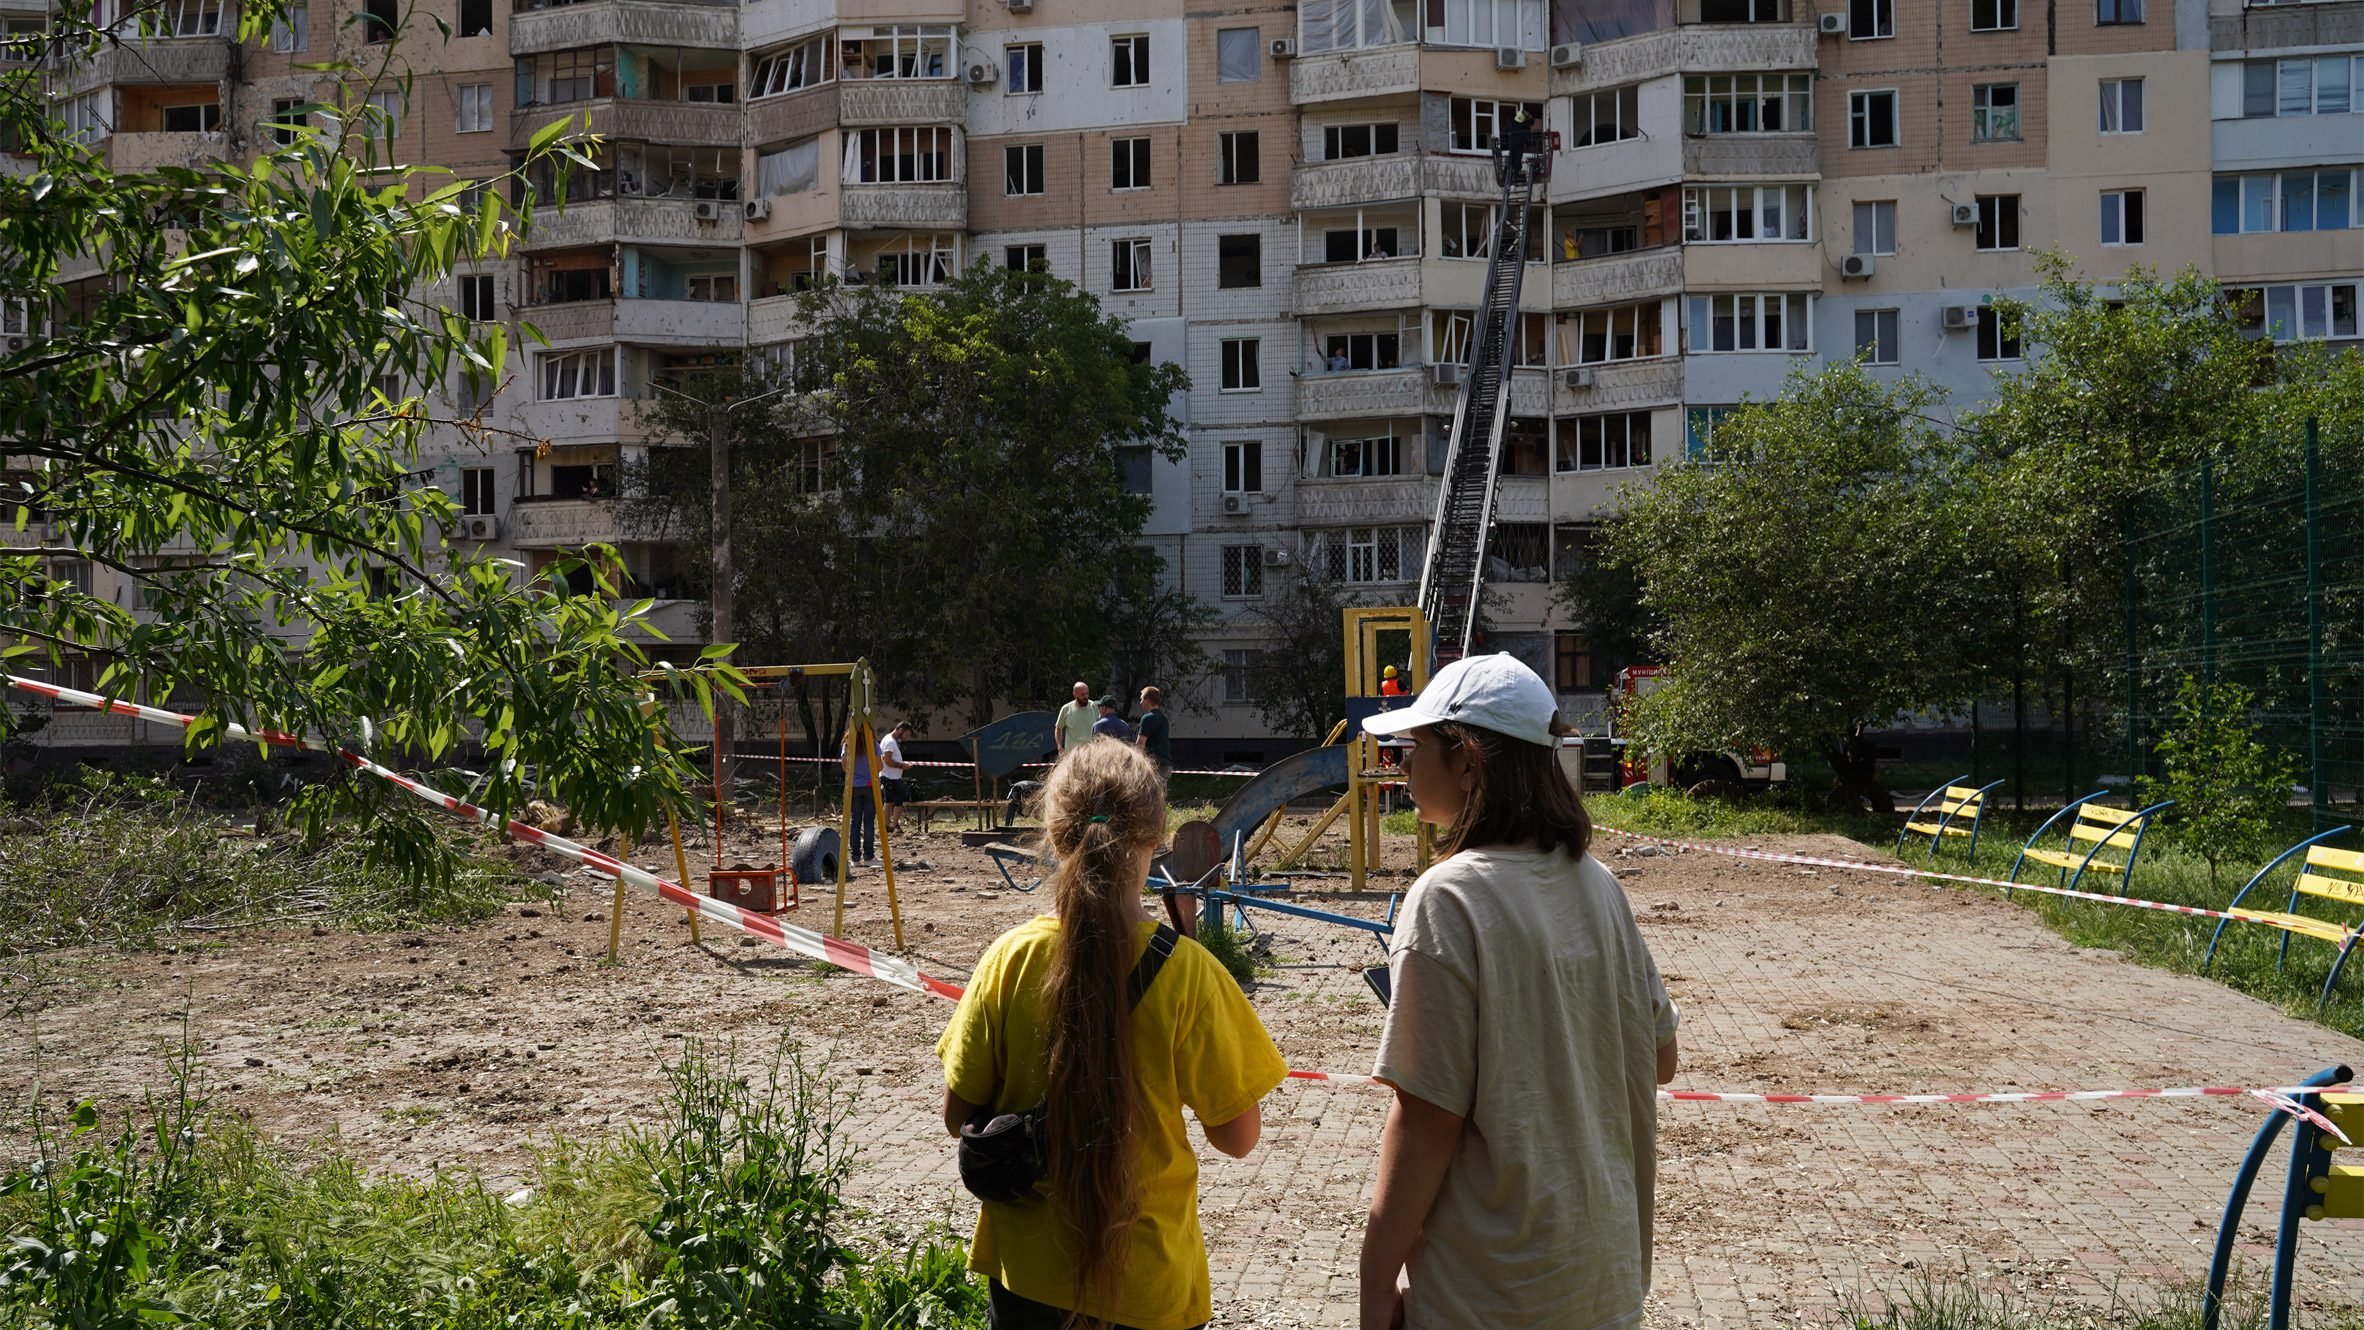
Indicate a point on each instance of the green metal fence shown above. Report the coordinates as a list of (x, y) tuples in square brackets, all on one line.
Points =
[(2251, 571)]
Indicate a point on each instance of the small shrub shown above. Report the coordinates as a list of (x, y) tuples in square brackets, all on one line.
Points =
[(1216, 934), (2229, 789)]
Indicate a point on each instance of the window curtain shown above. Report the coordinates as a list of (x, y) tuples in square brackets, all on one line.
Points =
[(791, 170)]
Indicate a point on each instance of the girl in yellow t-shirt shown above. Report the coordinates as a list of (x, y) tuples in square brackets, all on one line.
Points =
[(1115, 1242)]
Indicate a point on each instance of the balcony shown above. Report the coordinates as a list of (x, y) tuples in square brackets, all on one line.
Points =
[(1741, 156), (713, 24), (1733, 48), (1784, 265), (1345, 288), (1331, 502), (633, 119), (2271, 142), (1523, 499), (796, 115), (1354, 394), (549, 524), (1356, 180), (573, 321), (154, 62), (134, 153), (698, 323), (677, 620), (607, 221), (2282, 256), (773, 319), (2278, 27), (906, 207), (1618, 278), (595, 419), (1336, 76), (1630, 386), (902, 102)]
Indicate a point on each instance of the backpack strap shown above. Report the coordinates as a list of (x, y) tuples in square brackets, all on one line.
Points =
[(1161, 947)]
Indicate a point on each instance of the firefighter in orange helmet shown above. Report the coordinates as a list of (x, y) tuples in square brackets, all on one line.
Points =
[(1389, 684)]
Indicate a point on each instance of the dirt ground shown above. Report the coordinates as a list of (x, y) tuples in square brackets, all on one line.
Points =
[(468, 1046)]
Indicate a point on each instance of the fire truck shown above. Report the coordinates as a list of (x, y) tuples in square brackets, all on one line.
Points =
[(1754, 769)]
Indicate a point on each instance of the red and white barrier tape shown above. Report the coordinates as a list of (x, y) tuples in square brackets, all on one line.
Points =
[(902, 974), (966, 766), (1901, 870)]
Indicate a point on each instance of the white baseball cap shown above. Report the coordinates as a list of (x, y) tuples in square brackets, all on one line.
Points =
[(1497, 693)]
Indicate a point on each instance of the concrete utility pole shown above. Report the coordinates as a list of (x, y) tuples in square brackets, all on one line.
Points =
[(719, 607)]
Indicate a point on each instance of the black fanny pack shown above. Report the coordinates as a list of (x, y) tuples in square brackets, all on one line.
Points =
[(1002, 1155)]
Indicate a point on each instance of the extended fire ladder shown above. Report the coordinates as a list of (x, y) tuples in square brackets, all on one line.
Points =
[(1455, 570)]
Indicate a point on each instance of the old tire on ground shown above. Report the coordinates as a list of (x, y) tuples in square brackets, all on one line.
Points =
[(815, 856)]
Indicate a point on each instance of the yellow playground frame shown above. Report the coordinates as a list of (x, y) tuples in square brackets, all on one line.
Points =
[(861, 736)]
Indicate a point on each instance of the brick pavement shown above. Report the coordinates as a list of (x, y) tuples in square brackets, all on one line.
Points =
[(1803, 981)]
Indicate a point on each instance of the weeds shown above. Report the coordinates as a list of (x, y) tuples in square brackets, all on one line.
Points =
[(120, 858), (1216, 934), (725, 1215), (1963, 1303)]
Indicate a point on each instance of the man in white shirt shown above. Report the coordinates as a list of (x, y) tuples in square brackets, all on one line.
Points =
[(1076, 719), (891, 769)]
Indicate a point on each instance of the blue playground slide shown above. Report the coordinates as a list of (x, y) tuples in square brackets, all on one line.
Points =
[(1291, 778)]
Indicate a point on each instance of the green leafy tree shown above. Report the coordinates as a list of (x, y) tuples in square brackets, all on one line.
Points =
[(2227, 786), (1299, 680), (1602, 595), (939, 490), (1157, 635), (1824, 576), (228, 409)]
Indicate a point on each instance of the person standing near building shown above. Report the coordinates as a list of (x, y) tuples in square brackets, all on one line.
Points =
[(1110, 725), (1154, 736), (893, 774), (1391, 683), (1074, 728), (1514, 1190)]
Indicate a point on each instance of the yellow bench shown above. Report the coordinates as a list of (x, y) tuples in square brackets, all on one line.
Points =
[(2091, 829), (2326, 874), (1948, 803)]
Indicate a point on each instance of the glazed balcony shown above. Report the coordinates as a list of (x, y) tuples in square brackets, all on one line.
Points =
[(1338, 76), (1723, 47), (634, 119), (536, 28), (1617, 278), (942, 207), (796, 115)]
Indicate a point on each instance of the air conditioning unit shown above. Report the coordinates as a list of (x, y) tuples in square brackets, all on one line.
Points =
[(15, 342), (1509, 57), (758, 209), (1275, 557), (1832, 25), (1445, 376), (1959, 317), (1578, 379), (706, 210), (1234, 504), (1567, 55), (481, 526), (982, 72), (1284, 48), (1021, 6), (1965, 214), (1857, 265)]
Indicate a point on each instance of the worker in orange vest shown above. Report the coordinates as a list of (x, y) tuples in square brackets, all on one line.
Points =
[(1389, 684)]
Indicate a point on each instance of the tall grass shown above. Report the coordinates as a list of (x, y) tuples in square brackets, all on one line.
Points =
[(726, 1214), (122, 858), (1964, 1303)]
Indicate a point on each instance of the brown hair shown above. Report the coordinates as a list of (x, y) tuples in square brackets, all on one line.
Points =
[(1518, 795), (1100, 807), (1150, 697)]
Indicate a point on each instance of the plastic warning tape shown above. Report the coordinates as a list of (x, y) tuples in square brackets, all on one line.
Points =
[(966, 766), (1900, 870), (902, 974)]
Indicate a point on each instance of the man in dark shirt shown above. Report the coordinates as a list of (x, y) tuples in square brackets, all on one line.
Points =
[(1110, 725), (1155, 737)]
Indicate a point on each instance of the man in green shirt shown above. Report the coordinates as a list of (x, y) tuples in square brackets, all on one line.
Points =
[(1075, 720), (1153, 736)]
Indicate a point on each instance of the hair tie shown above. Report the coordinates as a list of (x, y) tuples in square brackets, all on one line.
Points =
[(1098, 817)]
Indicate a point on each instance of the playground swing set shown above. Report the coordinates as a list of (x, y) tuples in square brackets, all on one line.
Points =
[(816, 855)]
